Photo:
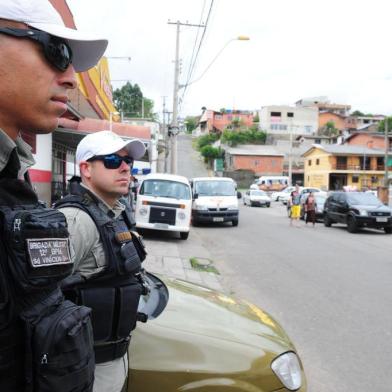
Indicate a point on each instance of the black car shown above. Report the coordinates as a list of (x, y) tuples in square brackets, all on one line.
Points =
[(356, 210)]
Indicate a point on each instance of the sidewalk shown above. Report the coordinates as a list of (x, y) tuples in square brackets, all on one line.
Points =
[(164, 258)]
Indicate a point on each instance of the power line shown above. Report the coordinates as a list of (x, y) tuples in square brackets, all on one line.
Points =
[(194, 45), (192, 67)]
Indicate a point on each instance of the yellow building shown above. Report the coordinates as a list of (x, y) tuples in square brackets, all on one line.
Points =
[(331, 167)]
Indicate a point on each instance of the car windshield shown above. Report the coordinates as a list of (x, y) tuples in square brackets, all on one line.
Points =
[(164, 188), (215, 188), (257, 193), (363, 198)]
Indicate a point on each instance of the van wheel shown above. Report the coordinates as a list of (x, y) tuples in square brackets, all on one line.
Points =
[(388, 230), (234, 222), (268, 204), (351, 225), (184, 235)]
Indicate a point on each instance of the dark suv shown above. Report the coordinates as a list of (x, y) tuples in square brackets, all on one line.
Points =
[(357, 209)]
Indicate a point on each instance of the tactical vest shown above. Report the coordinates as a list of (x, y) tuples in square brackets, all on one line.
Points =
[(113, 294), (45, 341)]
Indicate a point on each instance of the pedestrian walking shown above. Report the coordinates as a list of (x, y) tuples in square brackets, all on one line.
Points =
[(310, 209), (38, 60), (295, 206), (108, 277)]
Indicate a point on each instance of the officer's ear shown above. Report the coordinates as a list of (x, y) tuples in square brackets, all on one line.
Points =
[(85, 169)]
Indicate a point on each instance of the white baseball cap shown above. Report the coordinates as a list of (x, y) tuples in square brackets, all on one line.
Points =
[(87, 49), (107, 142)]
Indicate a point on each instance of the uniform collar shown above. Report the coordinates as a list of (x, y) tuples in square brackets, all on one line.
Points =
[(24, 158), (112, 212)]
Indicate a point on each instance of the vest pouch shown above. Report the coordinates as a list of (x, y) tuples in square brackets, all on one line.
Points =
[(38, 244), (131, 260), (102, 300), (62, 354), (128, 304)]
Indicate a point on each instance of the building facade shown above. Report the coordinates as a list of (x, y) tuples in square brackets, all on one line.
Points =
[(283, 120), (335, 166)]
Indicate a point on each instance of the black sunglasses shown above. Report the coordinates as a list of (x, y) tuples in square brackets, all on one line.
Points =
[(56, 50), (112, 161)]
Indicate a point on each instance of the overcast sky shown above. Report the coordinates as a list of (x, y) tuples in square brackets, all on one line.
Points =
[(337, 48)]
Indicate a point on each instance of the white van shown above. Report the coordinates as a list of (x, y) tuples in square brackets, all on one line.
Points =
[(215, 199), (164, 202), (272, 183)]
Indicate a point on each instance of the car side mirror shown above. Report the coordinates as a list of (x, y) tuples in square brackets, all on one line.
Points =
[(195, 196), (239, 195)]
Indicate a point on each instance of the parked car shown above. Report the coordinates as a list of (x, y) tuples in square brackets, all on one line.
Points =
[(320, 198), (276, 196), (256, 198), (197, 339), (356, 210)]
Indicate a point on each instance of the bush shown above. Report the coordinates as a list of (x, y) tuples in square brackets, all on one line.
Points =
[(206, 140), (210, 152), (252, 136)]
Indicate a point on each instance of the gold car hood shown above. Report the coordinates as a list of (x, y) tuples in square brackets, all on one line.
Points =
[(205, 331)]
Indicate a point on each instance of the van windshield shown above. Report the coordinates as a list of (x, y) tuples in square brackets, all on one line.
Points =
[(215, 188), (164, 188)]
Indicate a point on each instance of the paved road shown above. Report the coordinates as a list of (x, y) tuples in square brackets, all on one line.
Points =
[(331, 290), (190, 163)]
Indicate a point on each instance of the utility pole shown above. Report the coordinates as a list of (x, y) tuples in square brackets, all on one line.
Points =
[(173, 129), (386, 140)]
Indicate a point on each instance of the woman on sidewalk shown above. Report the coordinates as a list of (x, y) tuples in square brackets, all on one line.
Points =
[(310, 209)]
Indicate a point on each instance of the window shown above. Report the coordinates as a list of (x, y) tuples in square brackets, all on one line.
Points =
[(355, 179), (308, 129), (341, 163), (317, 141), (276, 114), (278, 127), (317, 161), (309, 162), (218, 117), (290, 114)]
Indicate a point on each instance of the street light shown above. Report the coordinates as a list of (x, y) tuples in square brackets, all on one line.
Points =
[(177, 86), (239, 38)]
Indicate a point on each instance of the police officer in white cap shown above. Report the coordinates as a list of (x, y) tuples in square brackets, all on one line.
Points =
[(44, 340), (108, 277)]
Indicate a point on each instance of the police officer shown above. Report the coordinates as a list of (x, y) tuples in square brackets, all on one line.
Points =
[(38, 60), (107, 276)]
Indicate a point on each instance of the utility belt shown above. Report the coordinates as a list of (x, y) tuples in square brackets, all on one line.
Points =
[(110, 351)]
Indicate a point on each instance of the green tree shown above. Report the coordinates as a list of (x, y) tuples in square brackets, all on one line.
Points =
[(256, 119), (381, 125), (357, 113), (190, 123), (329, 129), (210, 153), (129, 99)]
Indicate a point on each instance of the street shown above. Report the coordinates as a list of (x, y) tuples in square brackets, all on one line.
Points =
[(329, 289)]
